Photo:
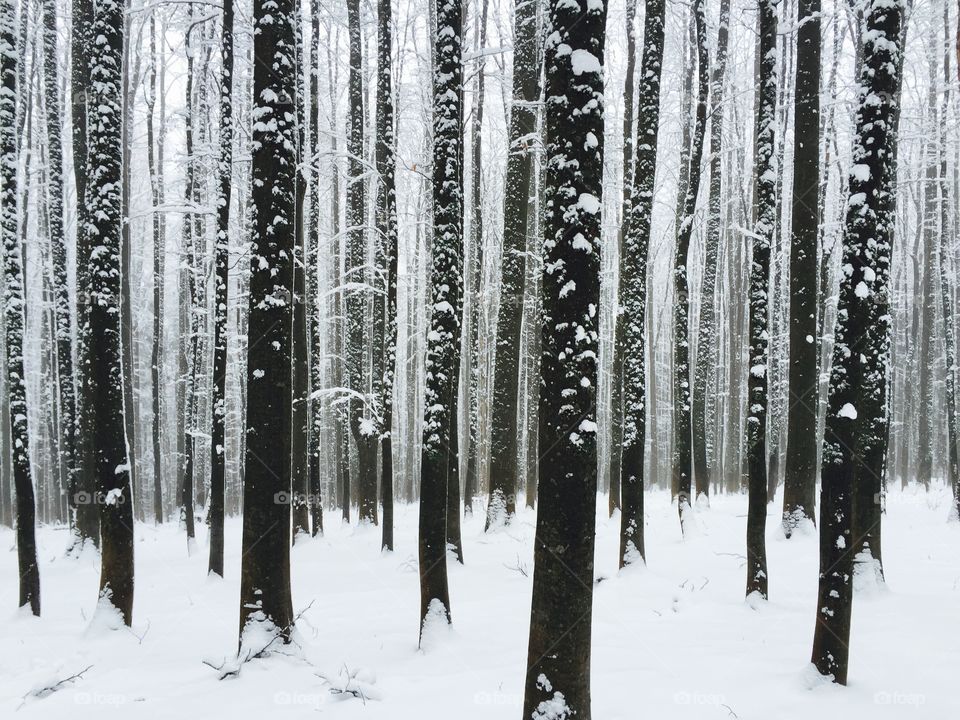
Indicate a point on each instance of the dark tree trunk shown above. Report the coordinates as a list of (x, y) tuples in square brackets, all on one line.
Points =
[(707, 338), (88, 517), (155, 162), (300, 350), (265, 567), (682, 460), (439, 454), (361, 424), (471, 483), (222, 262), (104, 173), (58, 245), (638, 213), (616, 386), (558, 654), (523, 122), (800, 469), (765, 183), (388, 253), (856, 431), (14, 305), (312, 251)]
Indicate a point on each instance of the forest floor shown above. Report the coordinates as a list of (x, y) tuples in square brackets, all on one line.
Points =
[(672, 640)]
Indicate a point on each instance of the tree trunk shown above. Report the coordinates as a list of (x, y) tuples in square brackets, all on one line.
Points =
[(707, 338), (314, 305), (765, 201), (388, 254), (855, 436), (616, 385), (104, 363), (222, 262), (439, 454), (13, 303), (88, 517), (638, 214), (471, 483), (265, 567), (501, 505), (799, 478), (682, 460), (558, 654)]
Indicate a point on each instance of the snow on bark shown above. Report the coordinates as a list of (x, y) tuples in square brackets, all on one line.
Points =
[(633, 285), (856, 428), (560, 628)]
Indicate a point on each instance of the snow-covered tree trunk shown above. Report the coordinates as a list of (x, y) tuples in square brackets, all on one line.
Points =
[(218, 458), (88, 517), (765, 183), (800, 467), (58, 242), (638, 214), (314, 304), (104, 173), (300, 351), (361, 402), (387, 252), (471, 483), (707, 337), (439, 454), (616, 385), (265, 567), (682, 413), (523, 121), (856, 431), (558, 655), (155, 168), (13, 311)]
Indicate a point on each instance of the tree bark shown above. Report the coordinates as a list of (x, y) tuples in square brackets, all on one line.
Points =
[(439, 455), (104, 363), (682, 460), (800, 468), (632, 323), (501, 505), (856, 431), (13, 306), (265, 568), (558, 654), (765, 183)]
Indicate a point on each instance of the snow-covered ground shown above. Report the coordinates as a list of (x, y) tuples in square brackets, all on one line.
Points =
[(672, 640)]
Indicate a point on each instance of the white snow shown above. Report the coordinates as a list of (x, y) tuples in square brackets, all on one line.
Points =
[(589, 203), (583, 61), (702, 648), (848, 411)]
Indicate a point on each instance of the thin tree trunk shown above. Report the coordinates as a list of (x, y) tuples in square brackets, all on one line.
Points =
[(765, 204), (635, 335), (501, 505), (682, 460), (799, 479), (13, 305)]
